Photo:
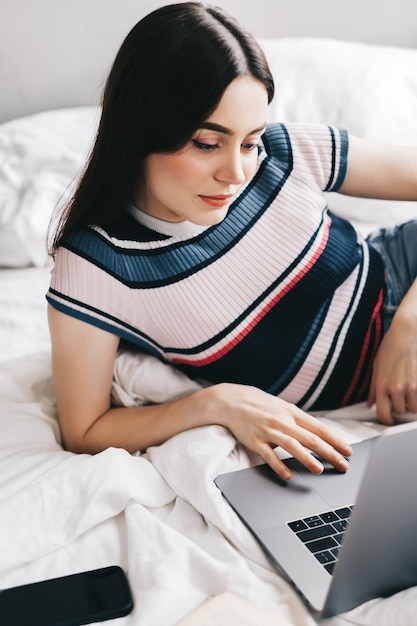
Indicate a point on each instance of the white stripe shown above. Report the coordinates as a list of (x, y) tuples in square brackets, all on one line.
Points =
[(328, 332)]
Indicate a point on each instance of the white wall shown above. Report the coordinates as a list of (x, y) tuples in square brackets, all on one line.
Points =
[(56, 53)]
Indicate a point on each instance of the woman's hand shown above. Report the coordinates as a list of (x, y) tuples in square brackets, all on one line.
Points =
[(394, 378), (262, 422)]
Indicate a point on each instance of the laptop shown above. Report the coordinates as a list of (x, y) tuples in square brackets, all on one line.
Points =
[(341, 539)]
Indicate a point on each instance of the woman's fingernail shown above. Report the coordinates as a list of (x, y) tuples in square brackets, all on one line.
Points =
[(318, 466), (343, 465)]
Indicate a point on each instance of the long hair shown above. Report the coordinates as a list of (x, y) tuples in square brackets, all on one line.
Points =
[(167, 78)]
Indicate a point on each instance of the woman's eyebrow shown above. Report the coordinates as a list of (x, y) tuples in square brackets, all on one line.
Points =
[(226, 131)]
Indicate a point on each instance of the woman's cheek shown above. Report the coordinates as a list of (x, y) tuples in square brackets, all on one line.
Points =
[(191, 169)]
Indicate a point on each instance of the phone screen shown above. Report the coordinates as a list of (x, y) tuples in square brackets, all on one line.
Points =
[(83, 598)]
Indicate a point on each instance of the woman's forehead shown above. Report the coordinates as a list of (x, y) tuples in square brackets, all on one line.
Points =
[(243, 107)]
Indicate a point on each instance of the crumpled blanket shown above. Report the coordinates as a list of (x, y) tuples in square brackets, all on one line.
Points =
[(158, 515), (140, 379)]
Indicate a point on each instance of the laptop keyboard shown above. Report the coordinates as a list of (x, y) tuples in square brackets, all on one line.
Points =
[(323, 534)]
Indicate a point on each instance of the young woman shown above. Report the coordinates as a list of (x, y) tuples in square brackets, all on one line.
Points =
[(201, 234)]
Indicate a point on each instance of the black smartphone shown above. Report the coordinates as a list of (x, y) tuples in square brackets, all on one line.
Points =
[(83, 598)]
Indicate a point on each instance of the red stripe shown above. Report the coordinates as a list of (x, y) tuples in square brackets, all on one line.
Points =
[(245, 331), (376, 322)]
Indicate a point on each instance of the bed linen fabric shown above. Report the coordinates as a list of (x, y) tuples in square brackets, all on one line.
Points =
[(23, 320), (40, 156), (158, 514)]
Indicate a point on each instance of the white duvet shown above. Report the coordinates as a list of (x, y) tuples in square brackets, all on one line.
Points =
[(158, 515)]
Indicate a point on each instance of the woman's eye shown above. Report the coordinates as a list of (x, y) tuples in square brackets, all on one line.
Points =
[(250, 146), (205, 146)]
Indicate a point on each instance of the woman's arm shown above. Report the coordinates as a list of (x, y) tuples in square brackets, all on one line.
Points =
[(380, 171), (83, 358)]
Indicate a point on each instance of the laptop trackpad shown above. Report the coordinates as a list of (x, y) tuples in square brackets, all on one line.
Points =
[(336, 488)]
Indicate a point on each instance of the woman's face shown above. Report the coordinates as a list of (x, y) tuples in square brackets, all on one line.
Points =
[(199, 182)]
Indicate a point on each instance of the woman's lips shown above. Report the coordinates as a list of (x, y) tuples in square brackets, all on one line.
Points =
[(217, 201)]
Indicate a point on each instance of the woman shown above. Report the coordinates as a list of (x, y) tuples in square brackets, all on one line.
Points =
[(201, 234)]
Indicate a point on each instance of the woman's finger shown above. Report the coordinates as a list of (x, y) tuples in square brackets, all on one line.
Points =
[(303, 443)]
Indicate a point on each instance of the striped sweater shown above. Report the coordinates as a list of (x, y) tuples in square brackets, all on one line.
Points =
[(282, 294)]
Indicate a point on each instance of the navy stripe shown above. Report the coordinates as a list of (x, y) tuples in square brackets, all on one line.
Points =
[(114, 325), (334, 185), (292, 369), (343, 160), (332, 172)]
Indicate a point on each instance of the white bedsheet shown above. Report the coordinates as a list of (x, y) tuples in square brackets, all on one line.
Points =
[(23, 320), (158, 515)]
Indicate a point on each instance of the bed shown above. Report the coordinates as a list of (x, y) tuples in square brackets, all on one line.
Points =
[(159, 514)]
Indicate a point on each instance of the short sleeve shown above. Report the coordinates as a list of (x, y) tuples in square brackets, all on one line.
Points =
[(316, 152)]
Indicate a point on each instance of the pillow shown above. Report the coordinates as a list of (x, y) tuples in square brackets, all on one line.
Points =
[(370, 90), (40, 156)]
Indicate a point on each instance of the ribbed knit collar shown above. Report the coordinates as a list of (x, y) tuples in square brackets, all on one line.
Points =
[(171, 229)]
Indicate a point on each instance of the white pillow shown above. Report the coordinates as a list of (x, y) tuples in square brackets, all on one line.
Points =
[(40, 155), (370, 90)]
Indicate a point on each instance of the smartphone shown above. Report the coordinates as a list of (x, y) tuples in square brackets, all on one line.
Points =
[(83, 598)]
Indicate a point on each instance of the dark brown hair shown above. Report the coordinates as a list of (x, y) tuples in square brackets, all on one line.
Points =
[(168, 77)]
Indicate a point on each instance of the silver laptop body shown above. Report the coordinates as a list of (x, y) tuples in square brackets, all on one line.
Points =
[(378, 556)]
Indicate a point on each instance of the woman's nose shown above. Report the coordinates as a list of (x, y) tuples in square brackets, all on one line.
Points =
[(231, 169)]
